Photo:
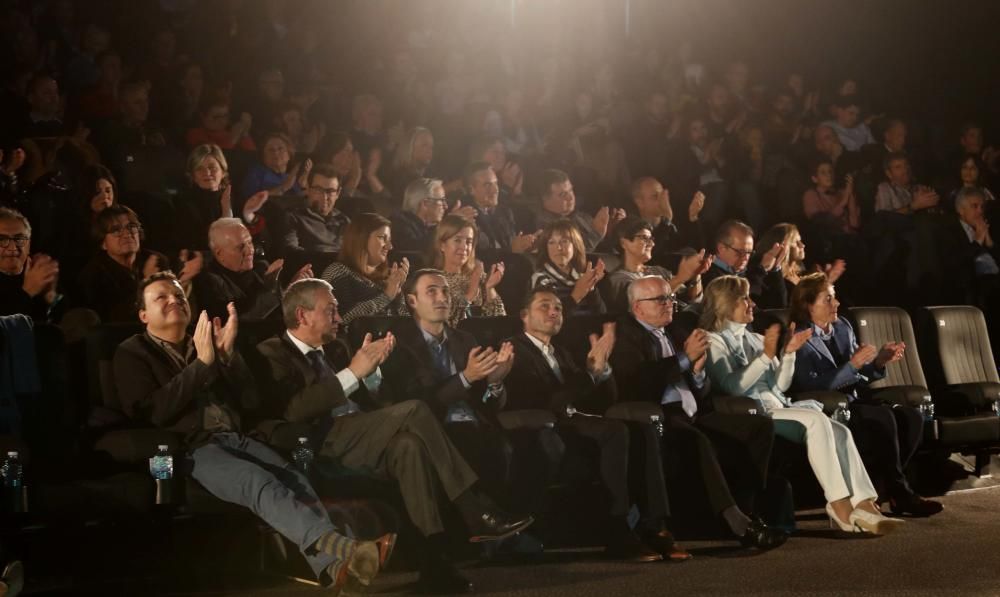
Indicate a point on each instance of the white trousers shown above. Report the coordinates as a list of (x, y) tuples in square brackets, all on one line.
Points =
[(832, 454)]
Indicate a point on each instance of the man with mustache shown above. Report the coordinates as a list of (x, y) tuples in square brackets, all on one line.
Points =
[(196, 386), (27, 284), (318, 383)]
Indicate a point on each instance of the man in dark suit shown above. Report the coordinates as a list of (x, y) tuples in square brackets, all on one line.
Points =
[(497, 229), (648, 367), (231, 278), (196, 386), (316, 381), (733, 249), (546, 377)]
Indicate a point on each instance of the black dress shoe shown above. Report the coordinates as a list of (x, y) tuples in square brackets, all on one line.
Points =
[(442, 578), (760, 536), (914, 505), (627, 547), (493, 526)]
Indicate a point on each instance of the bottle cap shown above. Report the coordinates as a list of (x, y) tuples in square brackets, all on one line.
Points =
[(303, 440), (12, 454), (163, 447)]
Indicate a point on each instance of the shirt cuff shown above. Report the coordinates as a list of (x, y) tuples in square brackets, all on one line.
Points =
[(699, 379), (684, 362), (374, 381), (465, 382), (602, 376), (348, 381)]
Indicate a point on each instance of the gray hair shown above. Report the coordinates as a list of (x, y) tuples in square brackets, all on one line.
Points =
[(12, 215), (218, 227), (967, 193), (301, 294), (417, 191), (633, 288)]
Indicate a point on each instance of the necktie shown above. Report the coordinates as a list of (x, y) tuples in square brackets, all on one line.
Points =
[(442, 359), (319, 364), (678, 392)]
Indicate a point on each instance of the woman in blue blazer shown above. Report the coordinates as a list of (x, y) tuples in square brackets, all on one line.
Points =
[(887, 435)]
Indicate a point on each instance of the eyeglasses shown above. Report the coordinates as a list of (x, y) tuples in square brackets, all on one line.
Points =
[(739, 252), (562, 242), (646, 240), (130, 229), (437, 201), (19, 241), (663, 299), (327, 192)]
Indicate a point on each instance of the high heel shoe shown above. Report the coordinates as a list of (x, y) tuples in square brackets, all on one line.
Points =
[(847, 527), (875, 523)]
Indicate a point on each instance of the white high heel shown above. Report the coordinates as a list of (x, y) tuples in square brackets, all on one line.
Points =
[(847, 527), (875, 523)]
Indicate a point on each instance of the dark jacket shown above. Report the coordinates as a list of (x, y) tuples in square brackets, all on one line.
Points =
[(532, 383), (817, 368), (311, 231), (641, 374), (152, 389), (409, 233), (255, 296), (496, 229), (409, 372), (196, 210), (14, 300), (109, 287), (767, 289)]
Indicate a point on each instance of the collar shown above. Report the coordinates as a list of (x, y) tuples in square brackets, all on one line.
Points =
[(969, 230), (545, 348), (722, 265), (818, 332), (302, 346), (649, 328), (738, 330), (554, 272), (431, 340)]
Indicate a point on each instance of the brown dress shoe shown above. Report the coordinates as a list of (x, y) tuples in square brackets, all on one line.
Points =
[(629, 548), (664, 543)]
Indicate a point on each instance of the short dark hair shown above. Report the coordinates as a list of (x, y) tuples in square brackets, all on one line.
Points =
[(804, 294), (896, 156), (472, 170), (165, 276), (106, 218), (628, 228), (532, 293), (727, 229), (324, 170), (410, 285), (549, 177)]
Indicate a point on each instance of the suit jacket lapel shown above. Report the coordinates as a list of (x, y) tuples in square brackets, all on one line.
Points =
[(540, 364), (300, 361), (819, 346)]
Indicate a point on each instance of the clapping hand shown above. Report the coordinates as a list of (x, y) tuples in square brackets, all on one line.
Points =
[(371, 354), (691, 266), (890, 353), (496, 275), (253, 205), (774, 256), (601, 220), (865, 354), (192, 262), (697, 204), (467, 212), (523, 243), (225, 336), (41, 273), (274, 269), (397, 275), (696, 345), (481, 363), (204, 345), (600, 349), (796, 340), (504, 363)]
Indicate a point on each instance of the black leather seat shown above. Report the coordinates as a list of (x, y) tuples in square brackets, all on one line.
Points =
[(376, 325), (491, 331)]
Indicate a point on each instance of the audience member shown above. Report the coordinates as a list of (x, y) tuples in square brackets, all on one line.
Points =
[(472, 290), (208, 197), (652, 204), (497, 226), (851, 130), (362, 279), (833, 211), (271, 173), (734, 245), (559, 202), (898, 193), (562, 267), (216, 129), (318, 226), (424, 206), (27, 282), (968, 272)]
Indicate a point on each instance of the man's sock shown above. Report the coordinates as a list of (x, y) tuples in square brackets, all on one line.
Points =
[(738, 521)]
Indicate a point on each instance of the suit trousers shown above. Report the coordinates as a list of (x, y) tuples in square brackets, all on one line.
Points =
[(243, 471), (887, 437), (605, 442), (832, 454), (406, 443), (715, 442)]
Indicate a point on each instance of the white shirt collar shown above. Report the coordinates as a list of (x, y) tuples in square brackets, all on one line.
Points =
[(302, 346), (736, 329), (545, 348)]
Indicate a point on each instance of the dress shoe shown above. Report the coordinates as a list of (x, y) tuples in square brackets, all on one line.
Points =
[(836, 522), (442, 578), (914, 505), (627, 547), (517, 546), (493, 526), (386, 543), (12, 580), (875, 523), (663, 542), (760, 536), (359, 571)]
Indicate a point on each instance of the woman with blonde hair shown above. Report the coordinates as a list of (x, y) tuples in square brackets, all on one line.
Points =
[(362, 279), (743, 363), (207, 199), (453, 251)]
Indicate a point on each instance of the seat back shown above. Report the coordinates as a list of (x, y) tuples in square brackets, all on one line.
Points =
[(102, 341), (376, 325), (878, 325), (491, 331), (963, 345), (576, 331)]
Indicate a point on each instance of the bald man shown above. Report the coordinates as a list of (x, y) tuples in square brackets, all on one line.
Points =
[(652, 365)]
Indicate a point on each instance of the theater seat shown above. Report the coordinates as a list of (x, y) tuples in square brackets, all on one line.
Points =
[(491, 331), (634, 411), (965, 356), (958, 427), (377, 325)]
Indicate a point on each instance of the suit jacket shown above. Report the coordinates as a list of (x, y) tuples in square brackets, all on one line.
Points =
[(817, 369), (154, 390), (641, 374), (496, 229), (956, 273), (409, 372), (409, 233), (255, 297), (532, 383)]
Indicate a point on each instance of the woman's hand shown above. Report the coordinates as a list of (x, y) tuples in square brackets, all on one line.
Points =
[(397, 275), (796, 340), (865, 354), (588, 281), (496, 275), (253, 205)]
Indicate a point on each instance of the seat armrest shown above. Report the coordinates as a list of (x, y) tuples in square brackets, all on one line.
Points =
[(512, 420), (734, 405), (828, 398), (635, 411)]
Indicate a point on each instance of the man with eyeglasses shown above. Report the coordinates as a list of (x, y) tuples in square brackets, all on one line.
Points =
[(733, 250), (318, 227), (27, 284), (497, 229), (652, 365), (424, 205)]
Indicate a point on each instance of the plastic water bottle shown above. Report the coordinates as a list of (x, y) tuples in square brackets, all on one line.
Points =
[(161, 465), (842, 415), (996, 407), (657, 422), (927, 409), (303, 456), (12, 470)]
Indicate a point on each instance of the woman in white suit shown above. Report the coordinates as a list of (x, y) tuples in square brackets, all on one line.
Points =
[(743, 363)]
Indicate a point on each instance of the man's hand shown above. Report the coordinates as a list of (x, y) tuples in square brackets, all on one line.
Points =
[(699, 365), (774, 256), (204, 345), (371, 354), (981, 232), (617, 215), (835, 270), (482, 362), (274, 269), (523, 243), (890, 353), (397, 275), (496, 275), (40, 274), (696, 345), (796, 340), (505, 361), (467, 213), (601, 220), (924, 198), (225, 336), (690, 266), (865, 354), (193, 262), (600, 349), (253, 205), (697, 204), (306, 271)]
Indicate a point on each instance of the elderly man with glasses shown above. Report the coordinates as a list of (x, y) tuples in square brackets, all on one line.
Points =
[(423, 208), (653, 365), (27, 284), (733, 249), (317, 227)]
